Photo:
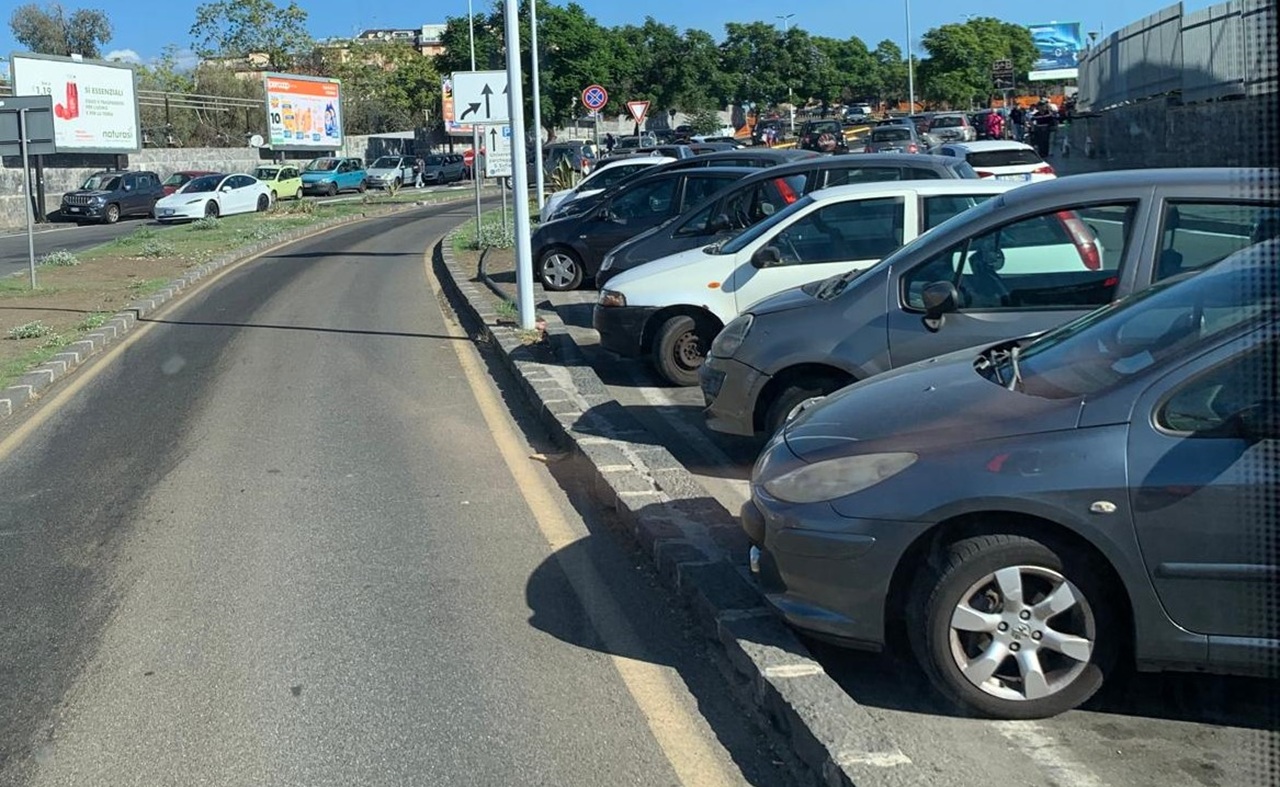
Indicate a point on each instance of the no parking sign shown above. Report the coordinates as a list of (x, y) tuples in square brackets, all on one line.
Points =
[(595, 97)]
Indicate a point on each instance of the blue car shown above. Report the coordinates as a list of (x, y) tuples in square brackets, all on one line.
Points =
[(331, 175)]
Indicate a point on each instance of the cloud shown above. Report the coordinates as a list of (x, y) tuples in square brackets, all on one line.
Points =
[(124, 56), (186, 59)]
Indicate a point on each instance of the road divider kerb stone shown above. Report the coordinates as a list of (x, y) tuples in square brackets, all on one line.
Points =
[(696, 546), (32, 384)]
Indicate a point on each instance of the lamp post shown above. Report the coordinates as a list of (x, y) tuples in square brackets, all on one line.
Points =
[(786, 26), (475, 129), (537, 101), (911, 75)]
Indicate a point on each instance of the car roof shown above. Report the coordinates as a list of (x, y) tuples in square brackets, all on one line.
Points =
[(612, 162), (926, 187), (781, 155)]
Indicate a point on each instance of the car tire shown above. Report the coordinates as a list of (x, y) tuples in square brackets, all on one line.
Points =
[(333, 189), (112, 214), (264, 203), (559, 269), (211, 210), (360, 189), (298, 194), (978, 639), (679, 350), (775, 415)]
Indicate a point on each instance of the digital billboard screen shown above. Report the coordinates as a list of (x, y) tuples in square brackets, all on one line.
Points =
[(1059, 45)]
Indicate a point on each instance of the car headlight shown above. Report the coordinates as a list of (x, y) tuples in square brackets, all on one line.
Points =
[(99, 200), (731, 337), (836, 478), (612, 298), (607, 263)]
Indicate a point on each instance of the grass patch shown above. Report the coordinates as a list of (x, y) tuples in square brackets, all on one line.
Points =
[(138, 236), (147, 286), (206, 224), (59, 259), (14, 287), (30, 330), (92, 322), (14, 368), (507, 310)]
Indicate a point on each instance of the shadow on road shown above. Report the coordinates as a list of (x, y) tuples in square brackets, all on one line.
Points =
[(327, 254)]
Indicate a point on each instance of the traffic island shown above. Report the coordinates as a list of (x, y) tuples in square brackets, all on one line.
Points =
[(697, 547)]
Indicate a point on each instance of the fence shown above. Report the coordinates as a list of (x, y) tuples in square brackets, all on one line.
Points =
[(1218, 52)]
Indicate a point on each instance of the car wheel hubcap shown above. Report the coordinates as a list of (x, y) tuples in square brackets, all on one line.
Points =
[(688, 350), (558, 270), (1022, 633)]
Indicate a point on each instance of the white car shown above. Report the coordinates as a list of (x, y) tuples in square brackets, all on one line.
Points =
[(825, 233), (211, 196), (606, 175), (1001, 159)]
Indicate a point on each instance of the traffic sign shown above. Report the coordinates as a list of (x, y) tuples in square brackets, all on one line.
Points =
[(1002, 74), (638, 110), (497, 156), (481, 96), (594, 98)]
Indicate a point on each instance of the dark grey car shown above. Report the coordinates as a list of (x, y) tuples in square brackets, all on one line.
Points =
[(443, 168), (759, 196), (897, 139), (1073, 244), (1032, 510)]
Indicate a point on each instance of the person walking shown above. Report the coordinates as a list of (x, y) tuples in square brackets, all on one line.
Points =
[(1016, 118), (609, 142)]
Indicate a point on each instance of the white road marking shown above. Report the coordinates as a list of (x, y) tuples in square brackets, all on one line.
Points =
[(1048, 753)]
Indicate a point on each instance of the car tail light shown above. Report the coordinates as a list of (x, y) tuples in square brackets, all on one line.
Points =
[(1082, 238), (913, 148), (982, 174), (1045, 170)]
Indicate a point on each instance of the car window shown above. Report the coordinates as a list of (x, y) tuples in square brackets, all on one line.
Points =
[(203, 183), (852, 230), (922, 173), (1194, 235), (176, 179), (267, 173), (845, 177), (891, 134), (761, 200), (645, 200), (940, 207), (1013, 157), (1062, 259), (1202, 406), (698, 187)]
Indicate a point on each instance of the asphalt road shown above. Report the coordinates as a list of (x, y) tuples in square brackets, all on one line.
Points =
[(1141, 731), (282, 535)]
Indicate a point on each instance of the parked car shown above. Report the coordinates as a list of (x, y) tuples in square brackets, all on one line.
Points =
[(676, 151), (671, 309), (443, 168), (392, 172), (1001, 159), (1098, 237), (580, 154), (607, 175), (922, 121), (112, 195), (330, 175), (212, 196), (756, 197), (284, 180), (779, 125), (632, 141), (897, 138), (824, 136), (897, 120), (952, 127), (1033, 510), (179, 179), (857, 114), (567, 252)]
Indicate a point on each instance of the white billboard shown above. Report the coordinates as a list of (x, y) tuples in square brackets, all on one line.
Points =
[(95, 104)]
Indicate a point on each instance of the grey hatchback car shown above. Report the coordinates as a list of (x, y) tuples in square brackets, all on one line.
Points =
[(1029, 512), (1071, 244)]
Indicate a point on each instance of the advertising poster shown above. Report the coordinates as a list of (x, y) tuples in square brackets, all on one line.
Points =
[(303, 112), (1060, 45), (451, 124), (95, 105)]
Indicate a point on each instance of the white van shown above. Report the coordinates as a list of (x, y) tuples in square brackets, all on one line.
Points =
[(671, 308)]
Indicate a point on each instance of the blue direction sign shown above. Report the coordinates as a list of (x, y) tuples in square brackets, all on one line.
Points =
[(594, 98)]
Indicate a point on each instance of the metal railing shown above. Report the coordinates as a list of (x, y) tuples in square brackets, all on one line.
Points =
[(1218, 52)]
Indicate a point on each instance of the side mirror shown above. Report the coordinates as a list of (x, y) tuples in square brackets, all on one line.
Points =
[(226, 189), (766, 257), (720, 223), (1259, 422), (940, 298)]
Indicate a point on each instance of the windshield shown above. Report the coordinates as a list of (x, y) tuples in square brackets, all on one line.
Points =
[(177, 179), (752, 233), (206, 183), (266, 173), (1107, 346), (323, 165), (386, 162), (102, 183)]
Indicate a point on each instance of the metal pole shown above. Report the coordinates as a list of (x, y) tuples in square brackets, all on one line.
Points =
[(475, 130), (520, 175), (911, 73), (504, 206), (26, 189), (537, 102)]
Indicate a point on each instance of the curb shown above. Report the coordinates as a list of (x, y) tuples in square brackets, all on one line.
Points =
[(696, 545), (31, 385)]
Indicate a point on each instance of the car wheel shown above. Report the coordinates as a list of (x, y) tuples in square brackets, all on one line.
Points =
[(211, 210), (1013, 628), (112, 214), (360, 189), (333, 189), (264, 202), (680, 349), (788, 398), (559, 270)]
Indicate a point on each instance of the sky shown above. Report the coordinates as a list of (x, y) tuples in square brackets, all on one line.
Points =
[(142, 29)]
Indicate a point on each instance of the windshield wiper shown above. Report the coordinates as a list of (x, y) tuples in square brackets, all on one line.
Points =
[(1015, 381)]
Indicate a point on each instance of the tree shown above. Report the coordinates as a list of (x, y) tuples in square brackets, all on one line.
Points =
[(49, 31), (890, 72), (958, 69), (386, 87), (706, 121), (754, 62), (241, 28)]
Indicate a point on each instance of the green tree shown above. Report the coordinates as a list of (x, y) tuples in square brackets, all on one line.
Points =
[(754, 63), (705, 121), (386, 87), (50, 31), (890, 72), (958, 68), (241, 28)]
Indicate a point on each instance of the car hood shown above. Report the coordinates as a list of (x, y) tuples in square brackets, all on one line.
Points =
[(318, 175), (661, 266), (932, 404), (785, 301), (383, 171), (88, 193)]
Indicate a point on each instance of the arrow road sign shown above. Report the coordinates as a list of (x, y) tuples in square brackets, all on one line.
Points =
[(594, 98), (475, 90), (497, 155), (638, 110)]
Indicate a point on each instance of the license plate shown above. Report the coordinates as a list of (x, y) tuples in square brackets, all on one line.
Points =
[(73, 210), (1023, 176)]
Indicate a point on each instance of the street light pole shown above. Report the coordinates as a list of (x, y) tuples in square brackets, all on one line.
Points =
[(475, 129), (519, 175), (537, 101), (911, 75), (791, 101)]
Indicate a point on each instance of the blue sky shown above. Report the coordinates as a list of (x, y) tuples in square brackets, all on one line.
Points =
[(143, 28)]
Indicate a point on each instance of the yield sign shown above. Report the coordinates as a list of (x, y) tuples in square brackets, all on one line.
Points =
[(638, 110)]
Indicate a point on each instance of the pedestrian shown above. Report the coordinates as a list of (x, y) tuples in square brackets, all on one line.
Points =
[(1016, 118), (609, 142), (995, 125)]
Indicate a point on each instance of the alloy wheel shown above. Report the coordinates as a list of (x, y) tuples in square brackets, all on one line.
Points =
[(558, 270)]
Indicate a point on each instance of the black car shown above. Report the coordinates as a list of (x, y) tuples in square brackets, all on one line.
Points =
[(567, 252), (671, 150), (824, 136), (899, 138), (111, 195), (758, 196)]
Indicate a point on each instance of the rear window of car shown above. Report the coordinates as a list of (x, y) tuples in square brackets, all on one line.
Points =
[(825, 127), (890, 134), (1015, 157), (947, 121)]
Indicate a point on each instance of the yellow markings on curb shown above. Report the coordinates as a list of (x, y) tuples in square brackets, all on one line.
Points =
[(676, 731)]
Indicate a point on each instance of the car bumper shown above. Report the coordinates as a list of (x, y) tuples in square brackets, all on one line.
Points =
[(621, 328), (823, 573), (181, 213), (317, 188), (84, 212), (730, 390)]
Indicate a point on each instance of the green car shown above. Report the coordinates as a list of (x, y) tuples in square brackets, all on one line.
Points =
[(284, 180)]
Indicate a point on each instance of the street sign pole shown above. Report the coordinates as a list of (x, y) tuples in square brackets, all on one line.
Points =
[(475, 130), (520, 175), (27, 196)]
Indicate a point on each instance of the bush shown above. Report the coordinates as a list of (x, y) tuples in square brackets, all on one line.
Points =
[(136, 237), (704, 121), (303, 207), (494, 235), (60, 258), (207, 223), (30, 330), (261, 232), (156, 248), (92, 321)]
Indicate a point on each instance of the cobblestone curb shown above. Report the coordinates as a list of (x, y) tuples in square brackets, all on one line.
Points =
[(697, 546), (30, 386)]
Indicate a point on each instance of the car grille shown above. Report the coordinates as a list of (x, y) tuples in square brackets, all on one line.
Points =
[(78, 199)]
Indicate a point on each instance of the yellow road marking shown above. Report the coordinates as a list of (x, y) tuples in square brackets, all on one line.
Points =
[(678, 735)]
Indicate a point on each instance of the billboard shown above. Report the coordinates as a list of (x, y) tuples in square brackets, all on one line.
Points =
[(1059, 45), (451, 124), (95, 104), (303, 113)]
